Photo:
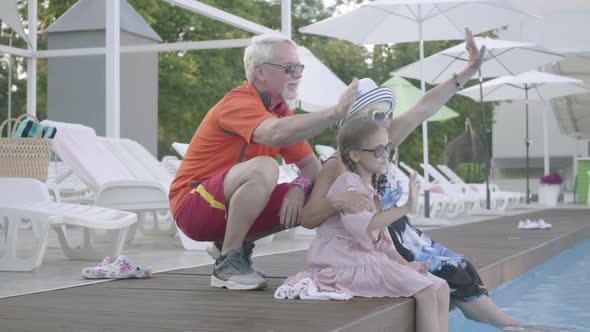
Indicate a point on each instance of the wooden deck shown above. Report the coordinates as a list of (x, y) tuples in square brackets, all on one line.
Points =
[(182, 300)]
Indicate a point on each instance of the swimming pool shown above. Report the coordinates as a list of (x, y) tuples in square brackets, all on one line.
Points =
[(556, 293)]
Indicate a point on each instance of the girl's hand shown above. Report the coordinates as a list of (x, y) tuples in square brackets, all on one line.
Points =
[(420, 267), (413, 195)]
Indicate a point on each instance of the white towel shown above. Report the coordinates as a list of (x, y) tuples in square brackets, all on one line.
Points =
[(307, 289)]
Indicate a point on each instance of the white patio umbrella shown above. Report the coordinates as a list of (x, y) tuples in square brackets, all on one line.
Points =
[(531, 85), (502, 57), (561, 28), (9, 15), (320, 88), (398, 21)]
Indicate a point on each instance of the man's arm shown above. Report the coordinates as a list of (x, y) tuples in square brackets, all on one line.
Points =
[(310, 166), (281, 132)]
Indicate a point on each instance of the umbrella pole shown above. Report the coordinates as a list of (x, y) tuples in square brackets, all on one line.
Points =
[(485, 141), (527, 143), (425, 123), (546, 137), (9, 92)]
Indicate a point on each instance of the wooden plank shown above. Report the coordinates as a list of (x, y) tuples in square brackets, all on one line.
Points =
[(183, 301), (288, 264)]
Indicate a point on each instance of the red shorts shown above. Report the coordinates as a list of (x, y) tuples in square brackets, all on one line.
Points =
[(202, 214)]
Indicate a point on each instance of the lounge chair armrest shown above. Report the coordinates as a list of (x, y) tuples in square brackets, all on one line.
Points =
[(134, 195), (24, 212), (54, 190), (121, 219)]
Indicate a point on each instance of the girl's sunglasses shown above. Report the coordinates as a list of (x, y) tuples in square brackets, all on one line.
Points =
[(380, 150), (382, 116)]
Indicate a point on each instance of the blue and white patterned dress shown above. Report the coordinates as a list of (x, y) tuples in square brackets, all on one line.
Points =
[(413, 245)]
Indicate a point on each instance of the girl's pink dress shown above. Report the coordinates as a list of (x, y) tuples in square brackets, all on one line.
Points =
[(344, 258)]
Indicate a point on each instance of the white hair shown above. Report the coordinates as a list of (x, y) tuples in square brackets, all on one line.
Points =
[(260, 51)]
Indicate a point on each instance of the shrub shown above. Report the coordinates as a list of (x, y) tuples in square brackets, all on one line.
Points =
[(470, 172)]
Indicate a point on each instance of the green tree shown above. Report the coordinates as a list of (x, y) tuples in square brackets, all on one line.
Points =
[(191, 82)]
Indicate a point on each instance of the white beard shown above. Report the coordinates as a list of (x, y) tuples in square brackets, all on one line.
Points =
[(288, 94)]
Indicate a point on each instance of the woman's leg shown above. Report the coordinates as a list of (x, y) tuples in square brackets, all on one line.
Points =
[(426, 310), (483, 310), (443, 300)]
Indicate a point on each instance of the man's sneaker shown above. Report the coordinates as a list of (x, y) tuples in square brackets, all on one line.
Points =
[(233, 271), (214, 250)]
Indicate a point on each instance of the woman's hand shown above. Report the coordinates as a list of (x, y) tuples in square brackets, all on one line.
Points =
[(475, 55)]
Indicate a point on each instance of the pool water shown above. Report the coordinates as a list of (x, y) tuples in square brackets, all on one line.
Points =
[(555, 293)]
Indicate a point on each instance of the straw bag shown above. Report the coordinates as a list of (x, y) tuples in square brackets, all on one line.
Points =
[(24, 157)]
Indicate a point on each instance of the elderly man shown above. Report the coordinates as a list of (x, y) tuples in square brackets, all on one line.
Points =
[(226, 186)]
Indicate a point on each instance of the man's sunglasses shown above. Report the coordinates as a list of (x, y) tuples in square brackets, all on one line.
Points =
[(290, 68), (380, 150), (382, 116)]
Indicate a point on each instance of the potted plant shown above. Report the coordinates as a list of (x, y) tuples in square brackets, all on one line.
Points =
[(549, 188)]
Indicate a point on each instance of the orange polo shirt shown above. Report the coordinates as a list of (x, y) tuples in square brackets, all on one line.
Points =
[(222, 135)]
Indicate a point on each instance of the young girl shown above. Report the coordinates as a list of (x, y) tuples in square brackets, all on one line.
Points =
[(468, 292), (353, 253)]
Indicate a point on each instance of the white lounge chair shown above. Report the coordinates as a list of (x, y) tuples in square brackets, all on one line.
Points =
[(324, 151), (497, 200), (469, 203), (180, 148), (145, 166), (171, 164), (138, 160), (112, 183), (29, 199), (514, 198), (440, 205), (71, 188)]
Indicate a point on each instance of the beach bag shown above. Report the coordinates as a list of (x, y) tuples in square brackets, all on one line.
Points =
[(24, 157)]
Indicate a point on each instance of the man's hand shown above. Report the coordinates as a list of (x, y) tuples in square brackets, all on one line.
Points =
[(351, 201), (346, 100), (290, 212)]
